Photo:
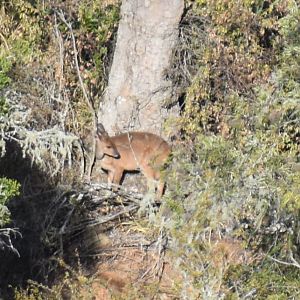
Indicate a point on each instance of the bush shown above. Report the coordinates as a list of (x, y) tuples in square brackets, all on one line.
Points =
[(5, 67), (8, 188), (237, 176)]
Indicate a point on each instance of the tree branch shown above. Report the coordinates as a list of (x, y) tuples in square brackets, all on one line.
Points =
[(91, 156)]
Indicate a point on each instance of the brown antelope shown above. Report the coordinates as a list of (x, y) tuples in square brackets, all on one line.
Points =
[(132, 151)]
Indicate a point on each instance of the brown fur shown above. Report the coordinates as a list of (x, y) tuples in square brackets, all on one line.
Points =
[(132, 151)]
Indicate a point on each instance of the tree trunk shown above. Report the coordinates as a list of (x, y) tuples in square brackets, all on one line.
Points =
[(137, 85)]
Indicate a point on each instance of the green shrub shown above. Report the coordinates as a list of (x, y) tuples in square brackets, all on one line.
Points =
[(228, 48), (8, 188), (264, 281), (4, 107), (100, 21), (238, 175), (5, 67), (72, 284)]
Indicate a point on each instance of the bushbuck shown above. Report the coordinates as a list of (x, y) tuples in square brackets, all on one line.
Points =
[(132, 151)]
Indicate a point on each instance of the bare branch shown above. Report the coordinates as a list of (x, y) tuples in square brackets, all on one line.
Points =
[(91, 156), (4, 40), (5, 239), (294, 263)]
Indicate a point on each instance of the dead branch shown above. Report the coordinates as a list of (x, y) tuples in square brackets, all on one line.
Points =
[(91, 197), (61, 71), (91, 156), (6, 235), (294, 263), (4, 41)]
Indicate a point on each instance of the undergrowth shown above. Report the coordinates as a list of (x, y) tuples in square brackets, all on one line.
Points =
[(236, 178), (231, 210), (43, 114)]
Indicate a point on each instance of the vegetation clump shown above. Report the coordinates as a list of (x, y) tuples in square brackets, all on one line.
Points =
[(238, 178), (8, 188), (43, 113), (229, 219)]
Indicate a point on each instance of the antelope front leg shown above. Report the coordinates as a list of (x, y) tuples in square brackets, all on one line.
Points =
[(117, 176), (114, 177), (110, 177), (160, 188)]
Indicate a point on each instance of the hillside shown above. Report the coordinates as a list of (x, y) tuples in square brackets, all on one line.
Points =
[(219, 80)]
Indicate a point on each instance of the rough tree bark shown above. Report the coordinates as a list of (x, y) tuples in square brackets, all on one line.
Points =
[(137, 84)]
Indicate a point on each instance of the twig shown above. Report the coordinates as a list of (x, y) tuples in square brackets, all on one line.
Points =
[(63, 229), (5, 234), (61, 72), (294, 263), (109, 218), (88, 102), (99, 220), (91, 156), (249, 294), (162, 246), (4, 40), (129, 195), (129, 141)]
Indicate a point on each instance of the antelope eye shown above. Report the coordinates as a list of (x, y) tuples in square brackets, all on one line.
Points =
[(108, 147)]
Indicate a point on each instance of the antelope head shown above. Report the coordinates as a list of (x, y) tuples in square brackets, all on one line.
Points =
[(104, 144)]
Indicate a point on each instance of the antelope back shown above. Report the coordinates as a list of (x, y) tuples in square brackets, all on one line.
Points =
[(132, 150), (141, 149)]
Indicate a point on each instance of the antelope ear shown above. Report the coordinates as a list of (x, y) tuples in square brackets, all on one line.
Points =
[(101, 130)]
